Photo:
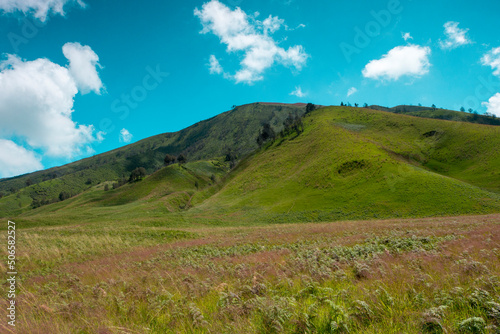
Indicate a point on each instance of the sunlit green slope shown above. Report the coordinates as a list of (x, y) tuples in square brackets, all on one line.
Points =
[(358, 163)]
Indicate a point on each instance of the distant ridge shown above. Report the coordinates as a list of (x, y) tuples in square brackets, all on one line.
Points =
[(437, 113), (284, 104)]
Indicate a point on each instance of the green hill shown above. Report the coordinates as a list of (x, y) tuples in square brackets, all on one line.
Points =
[(349, 163), (353, 163), (234, 130), (154, 199)]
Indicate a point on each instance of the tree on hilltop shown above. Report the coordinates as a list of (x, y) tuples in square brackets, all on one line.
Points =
[(310, 107)]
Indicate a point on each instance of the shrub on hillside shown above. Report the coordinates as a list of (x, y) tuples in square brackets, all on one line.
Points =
[(137, 174), (64, 195), (181, 159), (266, 133), (169, 159), (120, 183)]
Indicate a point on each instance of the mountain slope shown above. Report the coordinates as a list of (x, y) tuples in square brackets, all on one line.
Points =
[(235, 130), (349, 163), (353, 163), (154, 199)]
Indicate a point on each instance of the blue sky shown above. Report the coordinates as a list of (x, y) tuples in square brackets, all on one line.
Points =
[(79, 78)]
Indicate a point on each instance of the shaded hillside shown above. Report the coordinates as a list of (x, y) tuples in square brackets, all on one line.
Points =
[(156, 197), (235, 130), (437, 113)]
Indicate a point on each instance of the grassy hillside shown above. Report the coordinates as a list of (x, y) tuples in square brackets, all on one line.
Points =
[(235, 130), (353, 163), (349, 163), (155, 199)]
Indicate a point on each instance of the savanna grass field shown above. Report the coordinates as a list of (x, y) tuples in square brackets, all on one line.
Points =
[(429, 275)]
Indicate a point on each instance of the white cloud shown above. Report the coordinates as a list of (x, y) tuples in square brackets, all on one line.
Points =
[(351, 91), (455, 36), (125, 136), (406, 36), (36, 106), (410, 60), (242, 33), (15, 159), (100, 136), (82, 67), (38, 8), (492, 59), (493, 105), (272, 24), (298, 92), (214, 65)]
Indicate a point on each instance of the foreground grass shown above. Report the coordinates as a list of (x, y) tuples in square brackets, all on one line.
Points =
[(432, 275)]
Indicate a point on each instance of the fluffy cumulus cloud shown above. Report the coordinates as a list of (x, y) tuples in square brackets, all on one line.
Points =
[(38, 8), (351, 91), (125, 136), (82, 67), (493, 105), (298, 92), (492, 59), (15, 159), (410, 60), (243, 33), (36, 102), (455, 36)]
